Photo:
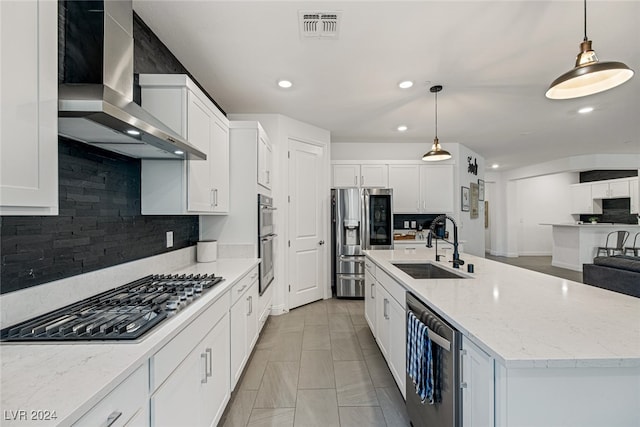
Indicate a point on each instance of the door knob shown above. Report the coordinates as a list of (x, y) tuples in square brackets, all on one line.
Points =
[(321, 242)]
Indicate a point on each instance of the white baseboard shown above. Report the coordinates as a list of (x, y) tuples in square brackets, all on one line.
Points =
[(567, 266), (277, 310)]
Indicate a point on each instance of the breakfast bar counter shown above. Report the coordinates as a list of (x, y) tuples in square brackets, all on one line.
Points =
[(576, 244)]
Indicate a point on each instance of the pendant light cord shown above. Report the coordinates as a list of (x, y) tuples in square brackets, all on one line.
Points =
[(436, 114), (585, 21)]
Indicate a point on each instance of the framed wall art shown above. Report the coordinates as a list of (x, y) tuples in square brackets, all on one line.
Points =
[(473, 199), (464, 199), (481, 190)]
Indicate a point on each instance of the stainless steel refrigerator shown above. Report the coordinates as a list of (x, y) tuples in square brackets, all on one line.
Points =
[(360, 220)]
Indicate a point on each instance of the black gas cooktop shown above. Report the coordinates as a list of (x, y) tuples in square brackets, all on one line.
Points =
[(123, 313)]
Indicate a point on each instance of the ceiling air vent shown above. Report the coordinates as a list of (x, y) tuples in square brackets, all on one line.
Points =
[(319, 25)]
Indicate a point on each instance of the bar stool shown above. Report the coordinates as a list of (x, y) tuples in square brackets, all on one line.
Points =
[(618, 240), (635, 249)]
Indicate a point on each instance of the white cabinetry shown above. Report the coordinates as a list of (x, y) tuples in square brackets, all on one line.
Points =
[(405, 182), (265, 155), (29, 111), (360, 175), (582, 202), (244, 323), (191, 186), (370, 295), (421, 188), (610, 189), (436, 188), (190, 374), (634, 195), (126, 405), (477, 382), (390, 302)]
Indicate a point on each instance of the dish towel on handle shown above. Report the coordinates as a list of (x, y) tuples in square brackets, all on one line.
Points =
[(419, 359)]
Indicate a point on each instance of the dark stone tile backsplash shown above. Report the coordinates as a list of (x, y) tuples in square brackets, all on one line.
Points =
[(99, 223)]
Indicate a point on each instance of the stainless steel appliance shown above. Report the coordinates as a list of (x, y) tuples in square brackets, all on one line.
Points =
[(445, 340), (123, 313), (378, 218), (95, 99), (265, 241), (360, 219)]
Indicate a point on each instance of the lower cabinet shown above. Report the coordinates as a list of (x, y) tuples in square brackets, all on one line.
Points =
[(391, 326), (477, 382), (196, 389), (127, 405), (244, 324), (370, 300)]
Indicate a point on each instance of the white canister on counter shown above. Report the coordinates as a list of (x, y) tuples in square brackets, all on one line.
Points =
[(207, 251)]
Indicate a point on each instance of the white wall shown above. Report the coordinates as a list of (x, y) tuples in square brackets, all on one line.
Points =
[(508, 235), (471, 231)]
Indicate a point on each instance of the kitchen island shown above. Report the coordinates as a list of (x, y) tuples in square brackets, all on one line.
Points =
[(559, 352), (577, 244), (64, 384)]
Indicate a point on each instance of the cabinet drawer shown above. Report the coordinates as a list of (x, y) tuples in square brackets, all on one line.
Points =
[(122, 404), (169, 357), (395, 289), (370, 266), (243, 284)]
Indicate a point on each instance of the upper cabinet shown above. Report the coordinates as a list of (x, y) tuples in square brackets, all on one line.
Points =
[(29, 112), (265, 156), (610, 189), (582, 201), (360, 175), (421, 188), (191, 186), (633, 192)]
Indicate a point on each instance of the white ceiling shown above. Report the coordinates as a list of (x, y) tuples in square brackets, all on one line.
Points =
[(495, 60)]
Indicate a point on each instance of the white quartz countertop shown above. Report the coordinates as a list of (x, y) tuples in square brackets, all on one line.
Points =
[(524, 318), (71, 378)]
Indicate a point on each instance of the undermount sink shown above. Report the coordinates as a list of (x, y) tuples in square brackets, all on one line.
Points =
[(428, 271)]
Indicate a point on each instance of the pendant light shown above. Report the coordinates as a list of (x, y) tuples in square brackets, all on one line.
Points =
[(436, 153), (589, 75)]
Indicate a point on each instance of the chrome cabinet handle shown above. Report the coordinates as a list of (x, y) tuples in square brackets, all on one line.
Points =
[(355, 180), (372, 291), (254, 276), (242, 289), (384, 308), (268, 176), (463, 384), (248, 306), (362, 179), (251, 304), (204, 356), (210, 373), (112, 418), (215, 198)]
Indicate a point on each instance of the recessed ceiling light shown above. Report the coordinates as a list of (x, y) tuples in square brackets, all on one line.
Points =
[(179, 152), (585, 110), (133, 132), (402, 128), (405, 84), (285, 84), (495, 166)]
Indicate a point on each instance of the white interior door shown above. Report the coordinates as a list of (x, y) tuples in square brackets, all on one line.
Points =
[(306, 224)]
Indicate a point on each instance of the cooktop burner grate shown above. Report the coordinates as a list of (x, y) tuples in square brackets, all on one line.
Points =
[(123, 313)]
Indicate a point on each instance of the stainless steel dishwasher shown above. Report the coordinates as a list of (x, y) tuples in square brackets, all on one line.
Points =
[(448, 411)]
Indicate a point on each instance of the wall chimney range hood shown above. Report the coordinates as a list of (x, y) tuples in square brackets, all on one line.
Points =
[(95, 100)]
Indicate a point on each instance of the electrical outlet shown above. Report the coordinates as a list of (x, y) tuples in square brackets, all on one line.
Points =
[(406, 224), (169, 239), (413, 224)]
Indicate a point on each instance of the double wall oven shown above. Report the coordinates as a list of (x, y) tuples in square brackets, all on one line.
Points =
[(265, 240)]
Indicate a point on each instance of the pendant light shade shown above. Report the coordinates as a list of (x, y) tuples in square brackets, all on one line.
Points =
[(436, 153), (589, 75)]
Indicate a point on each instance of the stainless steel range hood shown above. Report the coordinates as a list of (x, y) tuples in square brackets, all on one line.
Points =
[(95, 100)]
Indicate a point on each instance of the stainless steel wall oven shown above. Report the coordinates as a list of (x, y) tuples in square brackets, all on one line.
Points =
[(265, 240)]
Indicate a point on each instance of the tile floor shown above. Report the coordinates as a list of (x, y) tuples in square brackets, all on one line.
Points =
[(317, 365), (541, 264)]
